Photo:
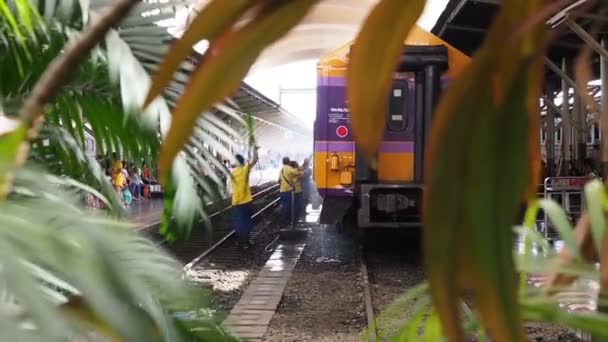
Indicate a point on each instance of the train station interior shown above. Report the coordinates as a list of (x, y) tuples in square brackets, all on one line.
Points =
[(264, 216)]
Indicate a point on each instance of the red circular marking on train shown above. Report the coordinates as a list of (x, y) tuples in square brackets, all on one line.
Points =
[(342, 131)]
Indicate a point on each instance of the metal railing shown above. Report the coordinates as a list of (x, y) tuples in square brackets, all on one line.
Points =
[(569, 193)]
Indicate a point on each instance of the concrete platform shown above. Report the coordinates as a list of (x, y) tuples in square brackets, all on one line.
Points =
[(146, 213), (251, 316)]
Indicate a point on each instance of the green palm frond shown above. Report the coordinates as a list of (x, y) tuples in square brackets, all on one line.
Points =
[(140, 45), (130, 286), (60, 153), (250, 128), (61, 144), (538, 258), (103, 99), (65, 269), (135, 49)]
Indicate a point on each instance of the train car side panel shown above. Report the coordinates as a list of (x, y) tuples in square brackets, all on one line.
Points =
[(334, 145), (395, 166)]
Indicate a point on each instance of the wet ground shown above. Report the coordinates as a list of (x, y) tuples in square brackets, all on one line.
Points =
[(323, 300), (145, 213), (226, 283), (395, 266)]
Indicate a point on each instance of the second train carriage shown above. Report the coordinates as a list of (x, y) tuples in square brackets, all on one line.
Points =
[(390, 195)]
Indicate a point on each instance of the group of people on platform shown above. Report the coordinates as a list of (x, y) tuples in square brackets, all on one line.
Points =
[(130, 182), (295, 189)]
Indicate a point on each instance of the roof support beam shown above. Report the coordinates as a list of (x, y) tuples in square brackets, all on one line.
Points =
[(592, 16), (466, 28), (604, 113), (561, 73), (567, 130), (566, 45), (587, 38), (569, 81), (453, 15), (490, 2)]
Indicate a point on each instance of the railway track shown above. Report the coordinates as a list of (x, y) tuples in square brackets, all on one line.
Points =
[(370, 314), (226, 248), (390, 265), (203, 242), (225, 269)]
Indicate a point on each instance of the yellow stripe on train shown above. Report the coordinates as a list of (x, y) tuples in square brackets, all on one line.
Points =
[(393, 167)]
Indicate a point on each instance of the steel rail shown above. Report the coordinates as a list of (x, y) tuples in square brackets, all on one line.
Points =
[(225, 237), (367, 298), (157, 222)]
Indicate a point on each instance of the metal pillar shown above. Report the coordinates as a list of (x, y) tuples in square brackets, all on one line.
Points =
[(566, 125), (550, 142), (604, 114), (580, 114), (576, 115)]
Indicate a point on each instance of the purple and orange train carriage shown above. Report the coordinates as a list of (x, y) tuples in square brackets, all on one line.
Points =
[(389, 195)]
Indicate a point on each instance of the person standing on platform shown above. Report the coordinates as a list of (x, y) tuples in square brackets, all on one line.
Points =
[(286, 188), (120, 184), (297, 185), (116, 163), (306, 185), (241, 198), (288, 178)]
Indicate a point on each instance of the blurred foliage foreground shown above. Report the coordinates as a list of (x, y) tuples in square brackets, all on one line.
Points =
[(65, 270)]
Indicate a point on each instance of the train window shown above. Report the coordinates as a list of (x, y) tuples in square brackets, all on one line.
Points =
[(397, 118)]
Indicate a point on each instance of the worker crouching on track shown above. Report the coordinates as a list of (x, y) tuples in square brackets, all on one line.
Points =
[(241, 198)]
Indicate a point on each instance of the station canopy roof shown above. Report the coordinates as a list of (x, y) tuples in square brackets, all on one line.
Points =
[(272, 124), (464, 24), (330, 24)]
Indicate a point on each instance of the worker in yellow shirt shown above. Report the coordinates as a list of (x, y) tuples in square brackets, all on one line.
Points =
[(120, 182), (297, 182), (287, 179), (241, 198), (116, 163)]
